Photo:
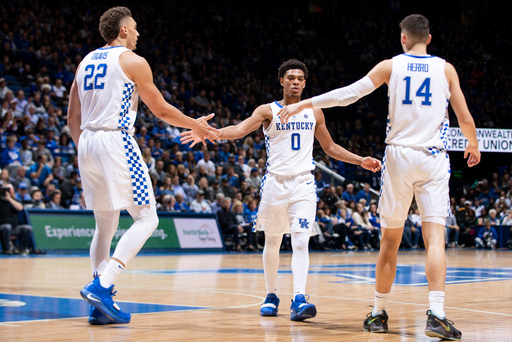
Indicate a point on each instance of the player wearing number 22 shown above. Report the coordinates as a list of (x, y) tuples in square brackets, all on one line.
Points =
[(101, 114), (415, 162), (288, 191)]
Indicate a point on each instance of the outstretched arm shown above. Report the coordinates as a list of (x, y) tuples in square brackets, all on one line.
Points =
[(336, 151), (343, 96), (138, 70), (245, 127), (466, 122)]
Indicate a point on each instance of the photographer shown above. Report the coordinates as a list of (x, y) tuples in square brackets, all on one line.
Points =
[(9, 222)]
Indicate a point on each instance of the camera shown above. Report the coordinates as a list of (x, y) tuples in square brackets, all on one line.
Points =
[(3, 191)]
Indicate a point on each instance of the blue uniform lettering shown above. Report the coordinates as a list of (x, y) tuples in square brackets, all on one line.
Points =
[(417, 67)]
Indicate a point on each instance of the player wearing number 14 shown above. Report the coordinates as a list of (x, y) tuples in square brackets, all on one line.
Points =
[(288, 192), (416, 162)]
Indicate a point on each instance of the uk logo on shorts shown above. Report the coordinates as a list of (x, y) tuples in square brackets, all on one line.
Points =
[(304, 223)]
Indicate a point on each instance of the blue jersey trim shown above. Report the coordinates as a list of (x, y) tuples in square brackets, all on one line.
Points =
[(110, 47), (414, 56), (277, 103)]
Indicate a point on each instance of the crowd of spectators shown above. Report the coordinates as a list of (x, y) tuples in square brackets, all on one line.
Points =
[(224, 60)]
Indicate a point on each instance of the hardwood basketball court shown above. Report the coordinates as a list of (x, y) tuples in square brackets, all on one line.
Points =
[(216, 297)]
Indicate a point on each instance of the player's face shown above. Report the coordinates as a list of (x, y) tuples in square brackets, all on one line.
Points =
[(132, 34), (293, 82)]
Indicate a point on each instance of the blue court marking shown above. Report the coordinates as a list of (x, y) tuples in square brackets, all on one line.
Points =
[(16, 308), (406, 275)]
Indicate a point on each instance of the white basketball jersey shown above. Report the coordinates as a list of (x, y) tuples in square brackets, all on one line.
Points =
[(108, 98), (290, 146), (418, 102)]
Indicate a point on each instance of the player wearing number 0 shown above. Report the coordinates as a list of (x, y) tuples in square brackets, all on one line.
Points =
[(415, 162), (101, 114), (288, 191)]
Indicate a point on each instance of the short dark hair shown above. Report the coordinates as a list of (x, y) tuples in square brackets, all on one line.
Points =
[(292, 64), (416, 26), (110, 22)]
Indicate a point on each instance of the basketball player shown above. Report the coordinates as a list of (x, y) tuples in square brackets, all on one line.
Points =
[(102, 111), (415, 163), (288, 191)]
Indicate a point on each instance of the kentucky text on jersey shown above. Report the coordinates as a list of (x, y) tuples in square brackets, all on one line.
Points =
[(294, 126), (417, 67), (99, 55)]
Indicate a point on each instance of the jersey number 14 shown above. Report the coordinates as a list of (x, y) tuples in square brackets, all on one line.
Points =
[(423, 91)]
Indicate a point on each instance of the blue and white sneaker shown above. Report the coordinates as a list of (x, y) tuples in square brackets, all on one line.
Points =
[(101, 298), (270, 305), (301, 309), (98, 318)]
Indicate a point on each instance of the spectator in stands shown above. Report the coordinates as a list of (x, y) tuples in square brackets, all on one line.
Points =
[(200, 205), (21, 177), (159, 172), (217, 204), (180, 204), (11, 154), (364, 193), (482, 217), (3, 88), (40, 173), (42, 150), (228, 223), (67, 189), (361, 219), (37, 200), (493, 218), (348, 195), (22, 195), (54, 202), (254, 179), (148, 159), (168, 204), (207, 163), (9, 223), (238, 210), (26, 154), (190, 188), (487, 236), (328, 196), (452, 231), (176, 187), (507, 220), (226, 188)]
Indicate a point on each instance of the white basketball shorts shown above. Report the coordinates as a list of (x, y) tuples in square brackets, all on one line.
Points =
[(114, 175), (409, 172), (288, 204)]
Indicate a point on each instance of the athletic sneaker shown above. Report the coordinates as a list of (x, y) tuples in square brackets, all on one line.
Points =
[(270, 305), (101, 298), (376, 324), (301, 309), (441, 328), (98, 318)]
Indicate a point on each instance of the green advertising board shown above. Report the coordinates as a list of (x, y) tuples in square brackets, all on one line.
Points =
[(65, 229)]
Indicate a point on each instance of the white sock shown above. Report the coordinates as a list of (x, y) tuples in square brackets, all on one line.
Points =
[(381, 302), (436, 299), (271, 261), (300, 262), (112, 271)]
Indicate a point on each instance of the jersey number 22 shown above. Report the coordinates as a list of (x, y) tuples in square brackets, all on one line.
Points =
[(101, 71)]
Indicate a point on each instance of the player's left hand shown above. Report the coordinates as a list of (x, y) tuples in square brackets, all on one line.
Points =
[(371, 164), (288, 111), (209, 132)]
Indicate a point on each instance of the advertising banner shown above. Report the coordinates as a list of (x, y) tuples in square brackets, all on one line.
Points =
[(66, 229), (197, 233), (490, 140)]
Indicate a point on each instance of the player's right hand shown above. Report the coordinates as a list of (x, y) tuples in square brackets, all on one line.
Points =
[(474, 155), (204, 131), (371, 164)]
